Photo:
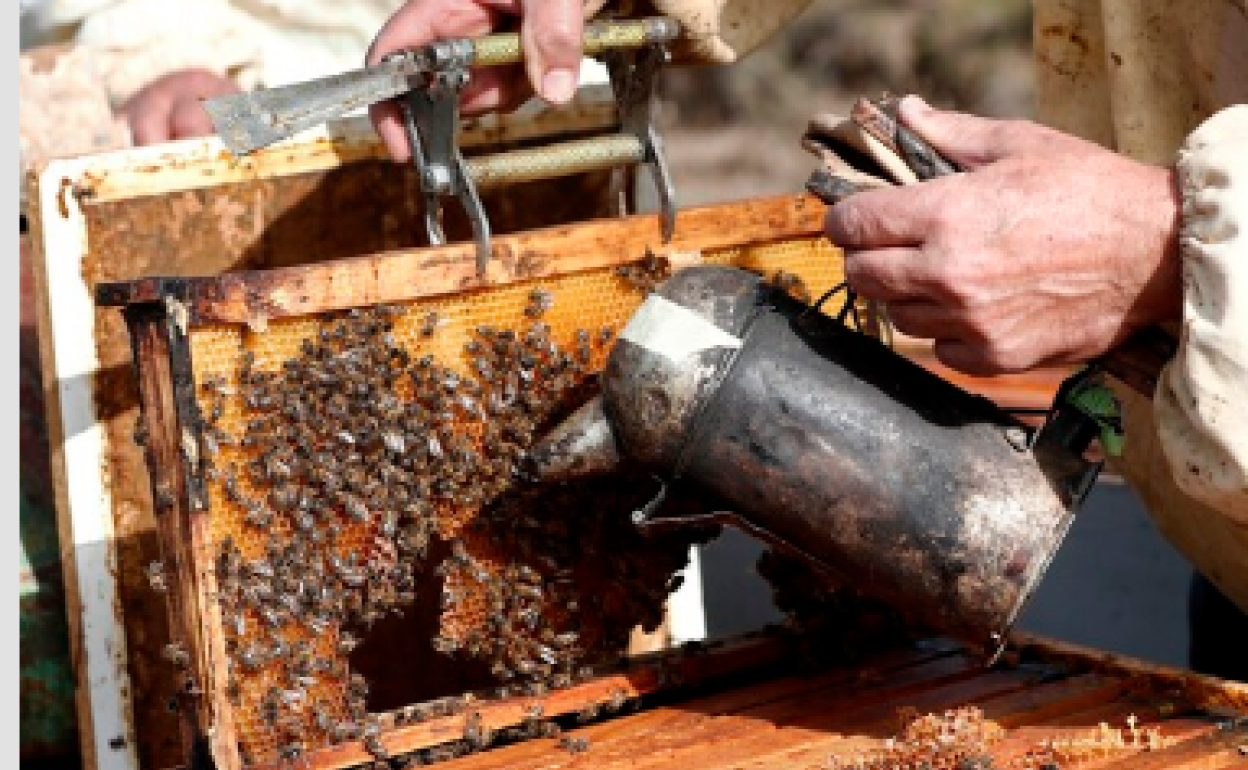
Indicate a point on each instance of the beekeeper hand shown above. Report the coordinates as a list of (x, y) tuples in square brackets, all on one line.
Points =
[(550, 31), (169, 107), (1049, 249)]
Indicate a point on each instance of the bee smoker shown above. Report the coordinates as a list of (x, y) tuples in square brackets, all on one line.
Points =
[(825, 442)]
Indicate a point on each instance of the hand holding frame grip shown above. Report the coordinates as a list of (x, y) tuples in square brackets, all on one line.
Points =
[(430, 79)]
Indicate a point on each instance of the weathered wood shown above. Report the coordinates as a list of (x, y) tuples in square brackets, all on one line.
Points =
[(251, 297), (198, 163), (1199, 689), (1063, 697), (643, 676), (189, 208), (168, 411), (1211, 748), (853, 720), (60, 491)]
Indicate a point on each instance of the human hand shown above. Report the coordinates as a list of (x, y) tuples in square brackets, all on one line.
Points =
[(550, 31), (1049, 250), (169, 107)]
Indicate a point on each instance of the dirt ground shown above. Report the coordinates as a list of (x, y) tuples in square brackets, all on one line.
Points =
[(733, 131)]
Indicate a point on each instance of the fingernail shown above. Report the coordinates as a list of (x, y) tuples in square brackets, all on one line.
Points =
[(558, 85), (915, 105)]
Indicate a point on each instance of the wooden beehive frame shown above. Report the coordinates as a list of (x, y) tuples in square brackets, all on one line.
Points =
[(86, 464), (160, 313), (255, 298)]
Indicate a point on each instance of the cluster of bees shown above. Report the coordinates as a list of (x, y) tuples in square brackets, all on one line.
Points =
[(364, 465), (957, 739), (646, 274), (963, 739), (829, 621), (1099, 743)]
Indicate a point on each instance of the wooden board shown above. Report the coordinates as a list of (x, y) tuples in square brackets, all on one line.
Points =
[(189, 208), (828, 719), (256, 297)]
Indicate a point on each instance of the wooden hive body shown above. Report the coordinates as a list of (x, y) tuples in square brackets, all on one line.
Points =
[(188, 332), (763, 703), (189, 208), (212, 259)]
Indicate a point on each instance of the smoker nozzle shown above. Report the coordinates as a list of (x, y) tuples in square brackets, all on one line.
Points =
[(582, 445)]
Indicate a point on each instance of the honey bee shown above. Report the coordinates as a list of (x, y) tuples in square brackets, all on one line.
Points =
[(176, 654), (618, 698), (374, 746), (252, 657), (430, 324), (550, 730), (257, 515), (155, 572), (347, 643)]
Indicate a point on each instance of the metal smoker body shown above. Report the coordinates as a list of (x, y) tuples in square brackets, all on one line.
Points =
[(826, 441)]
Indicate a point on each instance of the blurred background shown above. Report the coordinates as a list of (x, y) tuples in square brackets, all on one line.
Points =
[(734, 131)]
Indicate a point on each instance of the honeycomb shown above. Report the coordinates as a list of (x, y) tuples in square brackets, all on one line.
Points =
[(958, 739), (963, 739), (1097, 743), (343, 451)]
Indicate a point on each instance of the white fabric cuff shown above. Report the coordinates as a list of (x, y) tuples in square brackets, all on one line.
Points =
[(1202, 394)]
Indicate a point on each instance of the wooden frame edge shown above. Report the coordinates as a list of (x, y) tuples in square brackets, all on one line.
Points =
[(102, 686), (1205, 691), (255, 297), (642, 676), (162, 359), (205, 162)]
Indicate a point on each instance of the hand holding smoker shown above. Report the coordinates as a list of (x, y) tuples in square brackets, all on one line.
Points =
[(821, 439), (827, 443)]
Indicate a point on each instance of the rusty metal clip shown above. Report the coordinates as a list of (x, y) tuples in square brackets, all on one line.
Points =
[(430, 79), (431, 116), (633, 75)]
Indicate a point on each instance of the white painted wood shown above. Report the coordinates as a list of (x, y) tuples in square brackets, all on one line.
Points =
[(102, 644), (190, 164), (686, 608)]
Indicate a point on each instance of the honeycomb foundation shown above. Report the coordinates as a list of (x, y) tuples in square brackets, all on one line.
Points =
[(360, 467)]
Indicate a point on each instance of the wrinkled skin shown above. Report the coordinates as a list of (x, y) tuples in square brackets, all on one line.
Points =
[(169, 107), (1049, 250), (550, 31)]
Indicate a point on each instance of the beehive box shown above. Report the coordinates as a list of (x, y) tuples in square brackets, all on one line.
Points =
[(330, 443), (189, 208), (193, 211), (921, 706)]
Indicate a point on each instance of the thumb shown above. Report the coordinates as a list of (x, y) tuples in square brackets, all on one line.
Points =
[(967, 140), (551, 34)]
